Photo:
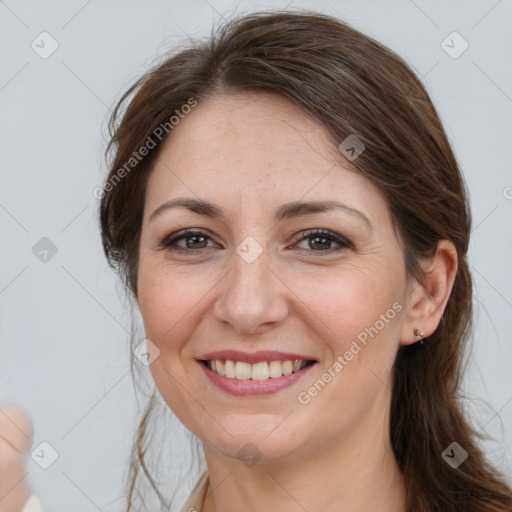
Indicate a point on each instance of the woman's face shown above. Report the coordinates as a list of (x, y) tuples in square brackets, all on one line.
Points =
[(257, 278)]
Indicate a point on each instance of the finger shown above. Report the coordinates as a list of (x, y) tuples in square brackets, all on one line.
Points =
[(16, 428)]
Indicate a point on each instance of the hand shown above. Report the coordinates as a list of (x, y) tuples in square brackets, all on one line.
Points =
[(16, 435)]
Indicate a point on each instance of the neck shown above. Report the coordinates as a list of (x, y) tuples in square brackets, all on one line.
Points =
[(348, 473)]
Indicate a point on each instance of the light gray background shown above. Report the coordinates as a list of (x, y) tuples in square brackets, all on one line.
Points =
[(63, 328)]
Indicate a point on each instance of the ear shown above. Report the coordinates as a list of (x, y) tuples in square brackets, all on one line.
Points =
[(427, 300)]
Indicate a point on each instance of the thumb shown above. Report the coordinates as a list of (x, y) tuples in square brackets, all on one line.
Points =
[(16, 428)]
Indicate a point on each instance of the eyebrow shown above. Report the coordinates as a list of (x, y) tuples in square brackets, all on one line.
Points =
[(286, 211)]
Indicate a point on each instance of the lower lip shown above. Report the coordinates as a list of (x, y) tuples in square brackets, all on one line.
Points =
[(240, 387)]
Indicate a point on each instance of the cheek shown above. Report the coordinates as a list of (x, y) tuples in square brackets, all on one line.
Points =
[(357, 315), (170, 304), (166, 299), (174, 301), (349, 301)]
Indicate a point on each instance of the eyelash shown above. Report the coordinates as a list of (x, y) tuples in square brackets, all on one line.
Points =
[(168, 242)]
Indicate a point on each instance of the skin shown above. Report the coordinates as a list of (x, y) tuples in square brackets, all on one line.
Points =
[(250, 154), (16, 434)]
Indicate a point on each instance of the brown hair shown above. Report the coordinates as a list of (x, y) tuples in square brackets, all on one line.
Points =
[(351, 84)]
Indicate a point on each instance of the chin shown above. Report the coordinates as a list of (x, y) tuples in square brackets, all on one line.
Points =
[(258, 443)]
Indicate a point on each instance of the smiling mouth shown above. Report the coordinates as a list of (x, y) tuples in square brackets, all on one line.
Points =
[(263, 370)]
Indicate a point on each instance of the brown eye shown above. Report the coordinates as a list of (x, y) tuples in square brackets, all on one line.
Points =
[(322, 241), (193, 240), (197, 242)]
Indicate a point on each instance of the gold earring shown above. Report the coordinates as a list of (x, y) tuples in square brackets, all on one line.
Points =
[(418, 332)]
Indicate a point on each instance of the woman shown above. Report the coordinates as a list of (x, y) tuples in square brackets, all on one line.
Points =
[(286, 209)]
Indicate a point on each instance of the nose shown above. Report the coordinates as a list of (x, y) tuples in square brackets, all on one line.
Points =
[(252, 297)]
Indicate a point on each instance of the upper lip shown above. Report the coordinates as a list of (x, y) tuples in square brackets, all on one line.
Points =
[(254, 357)]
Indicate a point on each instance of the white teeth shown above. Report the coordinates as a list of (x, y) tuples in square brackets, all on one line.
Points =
[(242, 370), (287, 367), (219, 366), (229, 369), (260, 371), (257, 371), (276, 369)]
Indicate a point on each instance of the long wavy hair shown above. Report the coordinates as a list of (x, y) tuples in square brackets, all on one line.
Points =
[(351, 84)]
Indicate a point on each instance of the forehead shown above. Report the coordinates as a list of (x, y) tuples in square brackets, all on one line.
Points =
[(267, 125), (255, 149)]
